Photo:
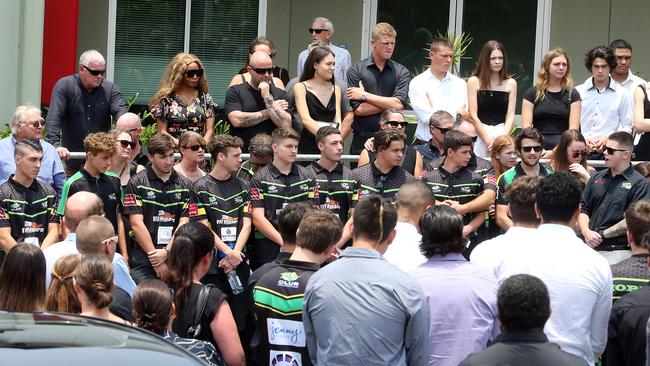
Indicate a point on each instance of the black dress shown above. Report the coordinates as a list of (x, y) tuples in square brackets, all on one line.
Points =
[(492, 106), (551, 113), (318, 112), (642, 149)]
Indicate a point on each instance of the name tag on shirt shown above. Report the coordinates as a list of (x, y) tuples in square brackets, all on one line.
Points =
[(164, 234), (285, 332), (33, 241)]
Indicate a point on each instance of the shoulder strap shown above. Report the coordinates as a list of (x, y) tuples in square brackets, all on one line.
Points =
[(645, 94), (195, 330)]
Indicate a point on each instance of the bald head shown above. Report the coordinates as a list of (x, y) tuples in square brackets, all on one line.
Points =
[(128, 121), (261, 59), (465, 126), (90, 234), (79, 206), (413, 199)]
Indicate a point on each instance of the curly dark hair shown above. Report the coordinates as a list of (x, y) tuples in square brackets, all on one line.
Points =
[(558, 197), (603, 52), (523, 303), (442, 231)]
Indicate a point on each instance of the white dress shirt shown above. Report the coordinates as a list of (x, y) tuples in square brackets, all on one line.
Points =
[(342, 58), (404, 251), (428, 94), (606, 112), (490, 254), (631, 82), (579, 282)]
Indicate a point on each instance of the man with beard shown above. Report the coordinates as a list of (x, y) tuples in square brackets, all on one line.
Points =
[(529, 145)]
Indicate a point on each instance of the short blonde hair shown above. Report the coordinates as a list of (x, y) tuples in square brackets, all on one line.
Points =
[(383, 29)]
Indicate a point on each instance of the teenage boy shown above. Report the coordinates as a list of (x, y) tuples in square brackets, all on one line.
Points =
[(220, 201), (94, 177), (273, 187), (27, 205), (332, 178), (156, 203), (278, 296)]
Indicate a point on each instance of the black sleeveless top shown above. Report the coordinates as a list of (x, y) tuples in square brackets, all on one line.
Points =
[(408, 159), (318, 112), (492, 106), (642, 149)]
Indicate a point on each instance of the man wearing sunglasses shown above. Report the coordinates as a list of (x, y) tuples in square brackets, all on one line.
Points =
[(82, 104), (256, 106), (131, 123), (94, 177), (529, 146), (439, 123), (27, 124), (607, 195), (322, 30)]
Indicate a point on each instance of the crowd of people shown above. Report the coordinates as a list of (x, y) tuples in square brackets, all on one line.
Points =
[(460, 247)]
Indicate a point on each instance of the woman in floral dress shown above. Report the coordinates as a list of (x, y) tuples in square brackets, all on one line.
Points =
[(182, 103)]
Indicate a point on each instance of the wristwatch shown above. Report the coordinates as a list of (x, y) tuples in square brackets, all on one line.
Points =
[(601, 233), (363, 97)]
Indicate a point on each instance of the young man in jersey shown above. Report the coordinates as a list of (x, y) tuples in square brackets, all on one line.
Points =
[(278, 295), (156, 202), (332, 178), (27, 205), (453, 180), (273, 187), (220, 201), (94, 177)]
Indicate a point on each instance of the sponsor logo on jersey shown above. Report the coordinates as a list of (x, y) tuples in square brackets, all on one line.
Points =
[(289, 279)]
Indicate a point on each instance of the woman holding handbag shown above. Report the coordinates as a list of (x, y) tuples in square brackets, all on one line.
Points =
[(189, 260)]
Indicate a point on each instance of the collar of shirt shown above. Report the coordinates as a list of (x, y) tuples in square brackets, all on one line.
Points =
[(319, 169), (22, 188), (173, 178), (71, 237), (301, 265), (84, 172), (388, 64), (449, 257), (377, 173), (277, 173), (353, 252), (506, 336), (433, 77), (557, 228), (444, 173), (627, 173), (590, 84), (641, 255)]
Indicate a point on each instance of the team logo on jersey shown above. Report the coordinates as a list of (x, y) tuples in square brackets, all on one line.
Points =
[(435, 189), (465, 190), (151, 194), (626, 185), (289, 279), (213, 200), (239, 199), (304, 187), (112, 197), (15, 206), (345, 186), (178, 196), (272, 189)]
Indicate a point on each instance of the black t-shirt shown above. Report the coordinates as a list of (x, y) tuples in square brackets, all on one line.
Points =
[(244, 98), (551, 114), (186, 312), (28, 211)]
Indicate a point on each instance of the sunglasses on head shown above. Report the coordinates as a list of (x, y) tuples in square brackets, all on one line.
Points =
[(528, 149), (192, 73), (94, 72), (578, 154), (35, 124), (396, 124), (611, 150), (195, 147), (262, 70), (317, 30), (126, 143)]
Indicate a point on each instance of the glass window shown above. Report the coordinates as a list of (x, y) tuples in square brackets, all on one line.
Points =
[(221, 39), (148, 34), (509, 22), (416, 23)]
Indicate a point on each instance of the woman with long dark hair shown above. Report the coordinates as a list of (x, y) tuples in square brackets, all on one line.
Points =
[(153, 310), (492, 95), (189, 260), (183, 103), (553, 105), (570, 155), (22, 279), (317, 97)]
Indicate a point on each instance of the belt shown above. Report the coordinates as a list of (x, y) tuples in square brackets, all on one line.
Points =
[(611, 248)]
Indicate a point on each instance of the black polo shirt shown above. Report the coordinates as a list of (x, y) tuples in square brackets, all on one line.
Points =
[(630, 275), (27, 210), (272, 190), (224, 204), (510, 175), (244, 98), (107, 187), (162, 204), (370, 180), (626, 334), (463, 185), (392, 81), (605, 199), (334, 188)]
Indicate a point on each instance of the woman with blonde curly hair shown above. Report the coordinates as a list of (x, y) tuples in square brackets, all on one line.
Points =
[(552, 106), (60, 295), (182, 103)]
